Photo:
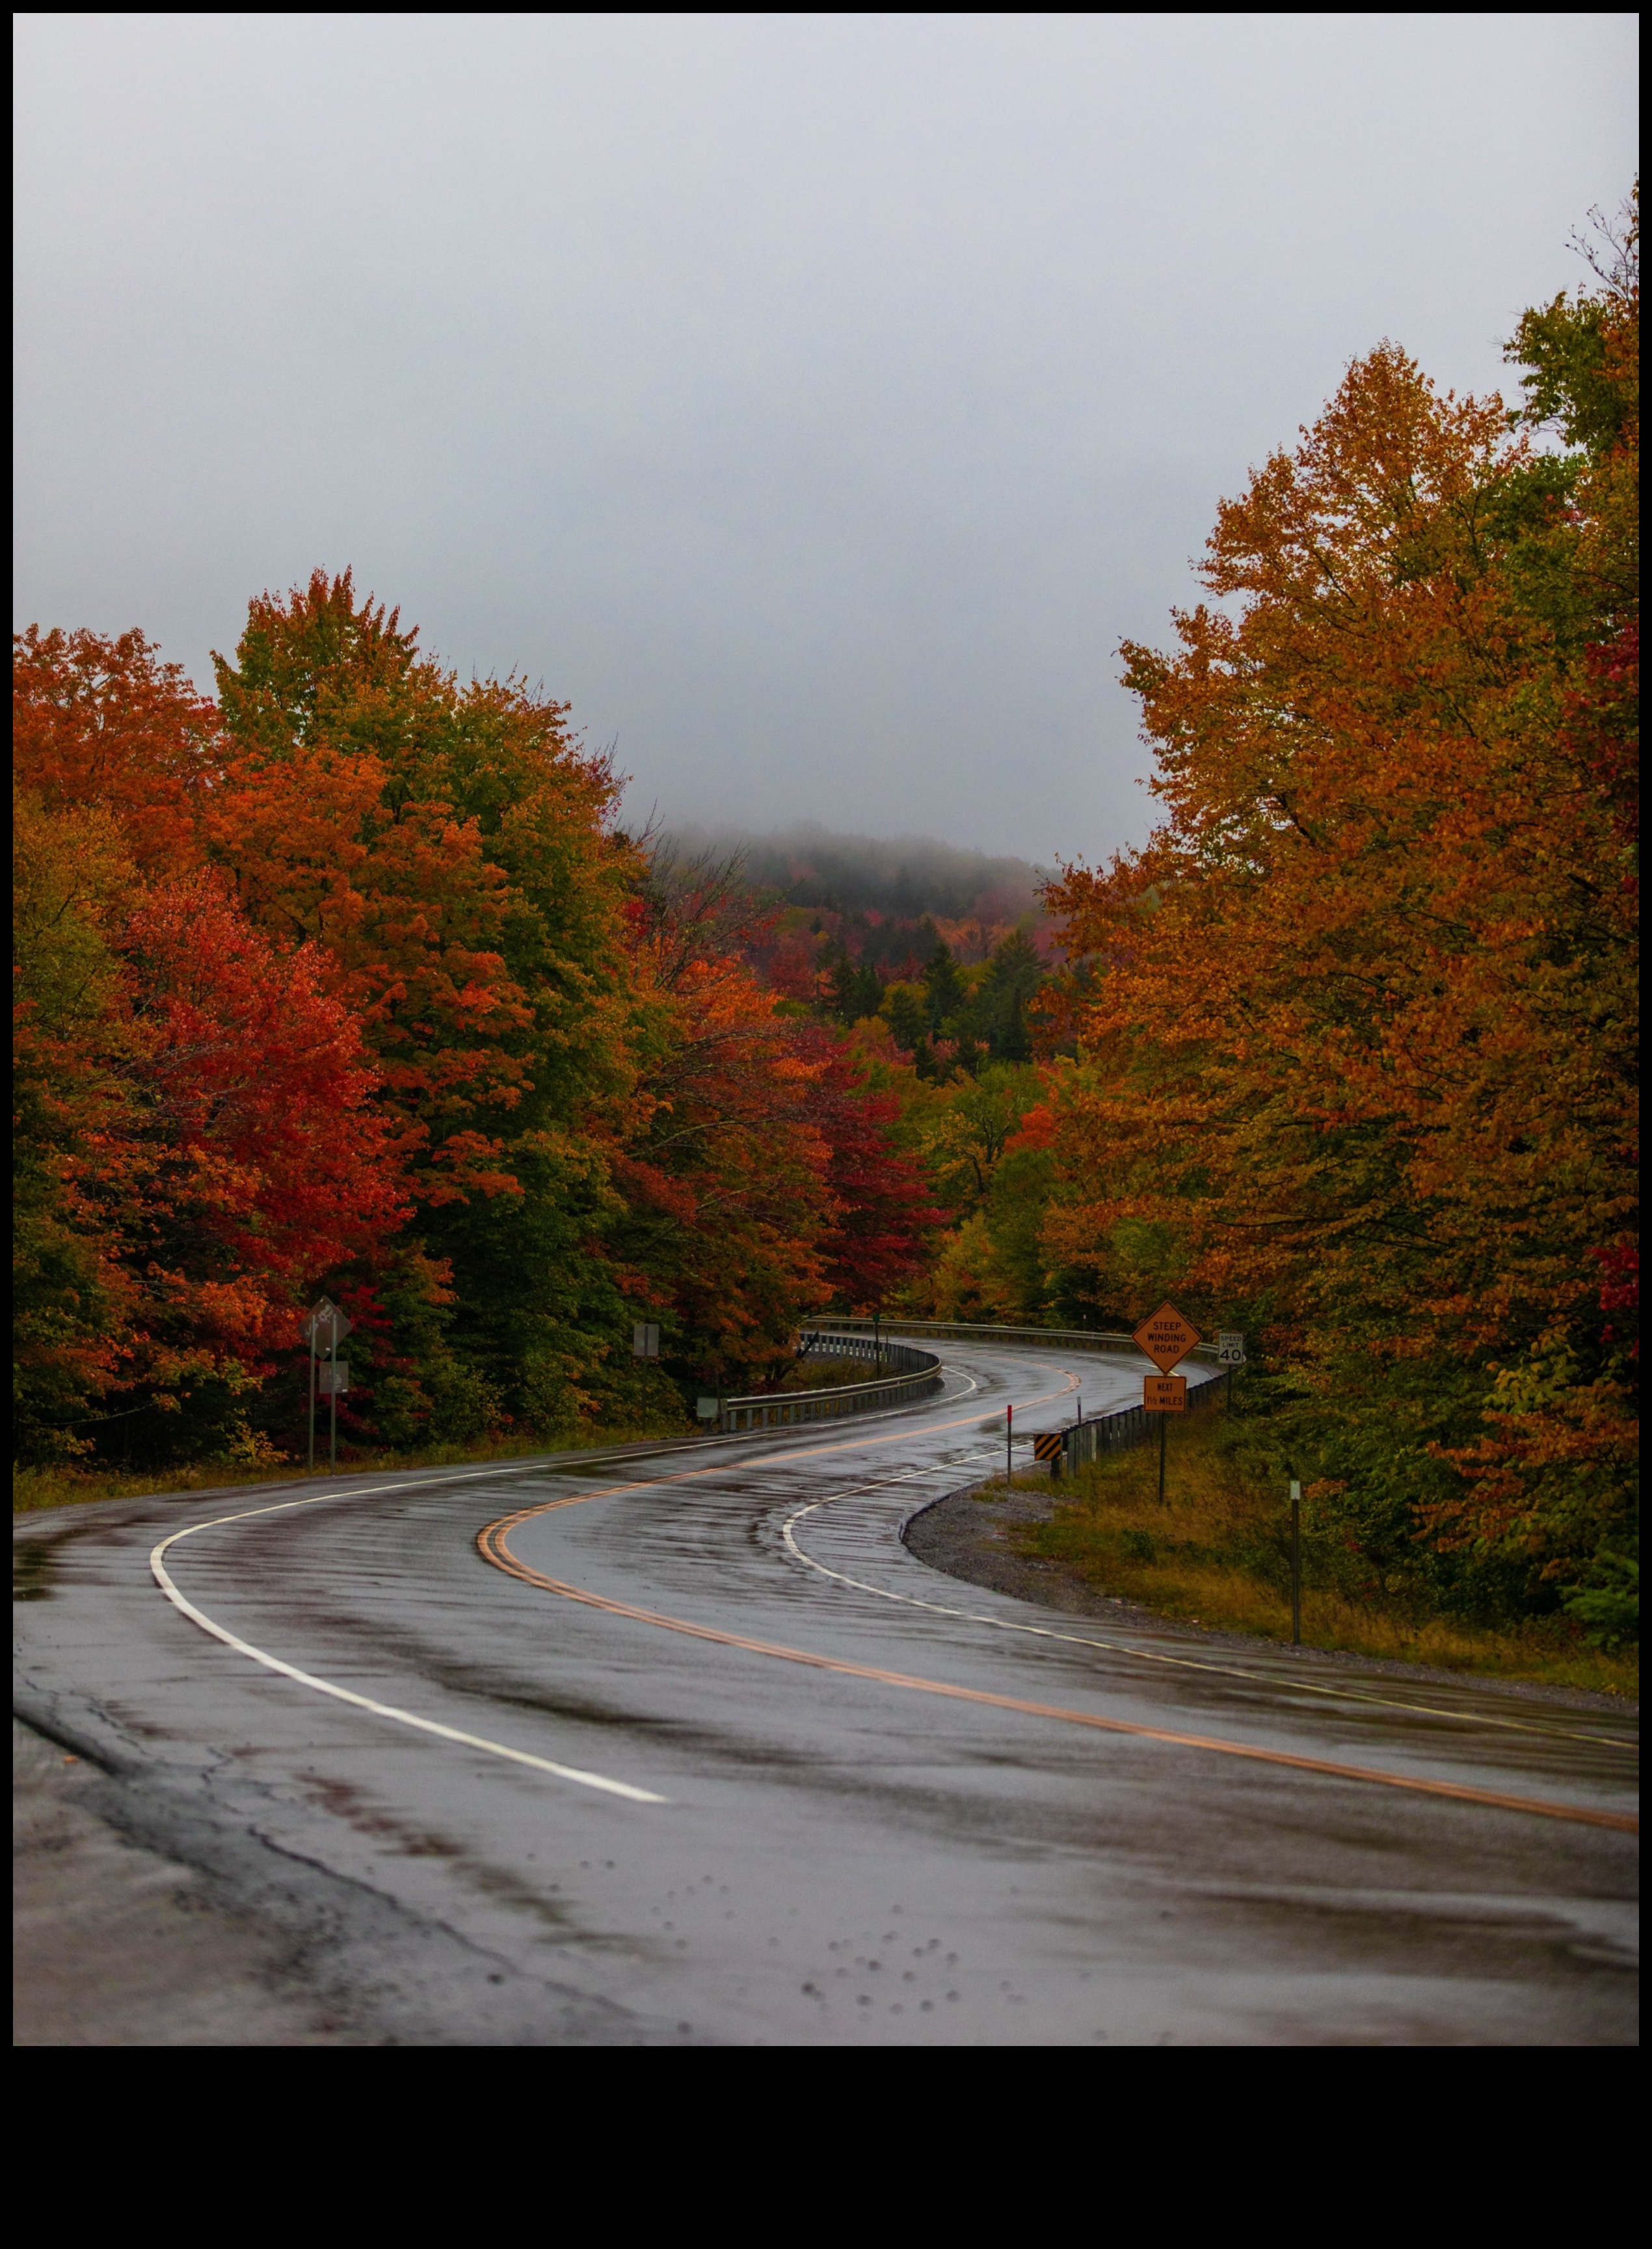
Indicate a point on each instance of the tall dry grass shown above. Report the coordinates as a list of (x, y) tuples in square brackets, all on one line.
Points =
[(1216, 1553)]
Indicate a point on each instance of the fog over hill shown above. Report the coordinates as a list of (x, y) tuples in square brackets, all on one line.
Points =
[(898, 878)]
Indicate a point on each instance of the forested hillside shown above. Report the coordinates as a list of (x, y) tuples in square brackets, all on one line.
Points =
[(351, 979), (948, 946), (885, 900)]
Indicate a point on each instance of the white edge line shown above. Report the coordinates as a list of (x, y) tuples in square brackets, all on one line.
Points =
[(363, 1701), (198, 1616), (1152, 1655)]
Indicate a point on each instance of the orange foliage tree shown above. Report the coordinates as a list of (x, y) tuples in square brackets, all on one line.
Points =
[(102, 721), (1354, 1028)]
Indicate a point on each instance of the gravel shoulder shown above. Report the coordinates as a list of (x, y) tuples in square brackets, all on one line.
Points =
[(969, 1534)]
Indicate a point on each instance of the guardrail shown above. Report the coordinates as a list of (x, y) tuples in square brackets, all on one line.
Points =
[(965, 1330), (911, 1375), (906, 1374), (1083, 1441)]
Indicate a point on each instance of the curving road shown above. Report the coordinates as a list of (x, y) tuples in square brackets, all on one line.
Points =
[(681, 1744)]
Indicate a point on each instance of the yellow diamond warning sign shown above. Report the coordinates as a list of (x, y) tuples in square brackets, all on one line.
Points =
[(1166, 1337)]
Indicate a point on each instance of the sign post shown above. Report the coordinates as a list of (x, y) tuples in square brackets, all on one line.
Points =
[(1165, 1338), (1296, 1564), (1229, 1352), (1008, 1440), (325, 1329)]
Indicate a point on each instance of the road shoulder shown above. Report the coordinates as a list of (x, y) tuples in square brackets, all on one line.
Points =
[(117, 1945), (969, 1534)]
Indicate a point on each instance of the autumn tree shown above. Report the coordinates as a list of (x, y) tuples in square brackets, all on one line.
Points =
[(195, 1144), (881, 1235), (451, 848), (75, 1300), (1354, 1060), (723, 1167), (102, 720)]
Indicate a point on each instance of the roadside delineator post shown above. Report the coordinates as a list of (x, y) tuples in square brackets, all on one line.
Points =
[(1296, 1564), (1008, 1440)]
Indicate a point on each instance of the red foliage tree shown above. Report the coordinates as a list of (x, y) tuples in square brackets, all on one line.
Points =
[(269, 1164), (886, 1221)]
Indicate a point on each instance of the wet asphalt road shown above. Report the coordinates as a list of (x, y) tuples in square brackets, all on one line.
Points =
[(836, 1858)]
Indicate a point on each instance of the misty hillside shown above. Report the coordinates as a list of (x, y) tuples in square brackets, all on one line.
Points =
[(897, 879)]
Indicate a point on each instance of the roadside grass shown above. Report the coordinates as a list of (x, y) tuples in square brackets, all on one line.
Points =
[(826, 1374), (1216, 1554), (34, 1487), (60, 1486)]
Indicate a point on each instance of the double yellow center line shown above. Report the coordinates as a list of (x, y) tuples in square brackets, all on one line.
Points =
[(493, 1543)]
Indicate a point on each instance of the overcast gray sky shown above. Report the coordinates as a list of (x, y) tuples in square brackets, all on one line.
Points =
[(815, 400)]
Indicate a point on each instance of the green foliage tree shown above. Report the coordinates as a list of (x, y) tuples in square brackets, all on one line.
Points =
[(905, 1008), (1014, 976), (964, 1137), (945, 990), (855, 991)]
